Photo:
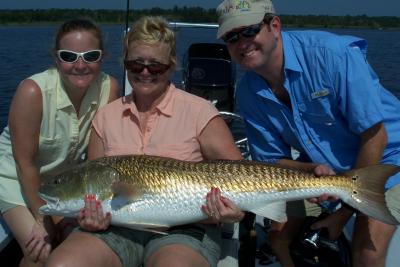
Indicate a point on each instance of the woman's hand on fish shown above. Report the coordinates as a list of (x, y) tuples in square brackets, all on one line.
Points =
[(221, 209), (38, 246), (323, 170), (92, 217)]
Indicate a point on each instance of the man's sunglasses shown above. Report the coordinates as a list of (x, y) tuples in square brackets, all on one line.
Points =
[(68, 56), (247, 32), (155, 68)]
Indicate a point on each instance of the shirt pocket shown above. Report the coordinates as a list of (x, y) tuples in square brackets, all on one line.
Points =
[(318, 111)]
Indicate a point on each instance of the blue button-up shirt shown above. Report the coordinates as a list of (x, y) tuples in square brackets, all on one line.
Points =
[(335, 96)]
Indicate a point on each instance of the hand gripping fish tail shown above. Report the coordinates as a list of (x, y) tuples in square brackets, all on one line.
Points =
[(145, 191)]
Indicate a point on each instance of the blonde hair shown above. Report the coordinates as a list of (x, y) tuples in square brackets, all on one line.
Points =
[(152, 30)]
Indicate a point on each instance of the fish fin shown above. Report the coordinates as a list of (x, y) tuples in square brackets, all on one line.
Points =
[(125, 190), (368, 192), (392, 197), (275, 211)]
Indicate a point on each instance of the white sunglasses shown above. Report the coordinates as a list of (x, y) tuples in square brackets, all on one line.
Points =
[(68, 56)]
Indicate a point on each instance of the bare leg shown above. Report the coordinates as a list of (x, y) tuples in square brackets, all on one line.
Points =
[(370, 243), (176, 256), (281, 235), (83, 249), (20, 221)]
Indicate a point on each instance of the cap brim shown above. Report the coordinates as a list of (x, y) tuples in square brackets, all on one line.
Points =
[(238, 22)]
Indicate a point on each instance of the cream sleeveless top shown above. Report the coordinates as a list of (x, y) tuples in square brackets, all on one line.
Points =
[(63, 136)]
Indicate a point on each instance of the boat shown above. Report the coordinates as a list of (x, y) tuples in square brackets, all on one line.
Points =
[(209, 72), (241, 242)]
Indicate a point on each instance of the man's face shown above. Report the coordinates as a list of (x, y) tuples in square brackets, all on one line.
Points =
[(253, 51)]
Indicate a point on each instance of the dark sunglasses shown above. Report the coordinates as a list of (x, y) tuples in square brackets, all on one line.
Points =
[(248, 32), (155, 68), (68, 56)]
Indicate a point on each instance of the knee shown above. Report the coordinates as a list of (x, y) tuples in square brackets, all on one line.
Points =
[(369, 258), (56, 260), (176, 256)]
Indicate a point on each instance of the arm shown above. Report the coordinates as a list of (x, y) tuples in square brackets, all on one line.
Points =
[(372, 145), (25, 121), (216, 142)]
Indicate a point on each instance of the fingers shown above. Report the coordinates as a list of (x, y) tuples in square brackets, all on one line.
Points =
[(92, 217), (38, 250), (221, 208), (44, 253), (323, 170), (214, 203), (236, 213)]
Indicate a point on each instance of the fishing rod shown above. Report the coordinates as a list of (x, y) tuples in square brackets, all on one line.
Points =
[(126, 31)]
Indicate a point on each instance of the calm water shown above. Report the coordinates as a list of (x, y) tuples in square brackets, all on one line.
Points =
[(25, 50)]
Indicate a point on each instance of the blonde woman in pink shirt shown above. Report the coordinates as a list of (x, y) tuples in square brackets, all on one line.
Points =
[(156, 119)]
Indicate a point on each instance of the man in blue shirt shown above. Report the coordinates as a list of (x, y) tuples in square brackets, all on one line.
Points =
[(315, 92)]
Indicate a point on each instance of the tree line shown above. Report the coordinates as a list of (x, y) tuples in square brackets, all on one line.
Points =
[(187, 14)]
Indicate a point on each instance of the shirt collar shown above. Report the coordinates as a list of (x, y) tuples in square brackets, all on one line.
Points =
[(91, 96), (164, 107), (291, 62)]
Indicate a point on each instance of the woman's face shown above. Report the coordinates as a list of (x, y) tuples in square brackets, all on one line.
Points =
[(80, 74), (142, 80)]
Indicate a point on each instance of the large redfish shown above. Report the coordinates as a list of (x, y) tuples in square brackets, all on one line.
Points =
[(147, 191)]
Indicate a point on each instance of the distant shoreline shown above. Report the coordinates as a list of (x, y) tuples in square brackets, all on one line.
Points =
[(285, 27), (188, 14)]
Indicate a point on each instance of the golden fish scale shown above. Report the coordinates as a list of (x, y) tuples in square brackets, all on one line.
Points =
[(155, 174)]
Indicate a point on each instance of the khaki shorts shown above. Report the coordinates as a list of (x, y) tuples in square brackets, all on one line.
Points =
[(392, 197), (302, 208), (134, 246), (6, 206)]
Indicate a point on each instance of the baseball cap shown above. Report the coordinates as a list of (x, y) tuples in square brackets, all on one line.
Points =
[(236, 13)]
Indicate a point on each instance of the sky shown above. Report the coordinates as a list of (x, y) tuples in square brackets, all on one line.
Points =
[(287, 7)]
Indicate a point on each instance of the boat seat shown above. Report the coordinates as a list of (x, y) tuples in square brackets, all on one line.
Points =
[(208, 72)]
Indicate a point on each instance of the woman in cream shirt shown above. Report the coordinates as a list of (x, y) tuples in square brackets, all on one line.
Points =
[(49, 127)]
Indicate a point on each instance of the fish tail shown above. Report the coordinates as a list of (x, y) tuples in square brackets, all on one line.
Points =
[(368, 191)]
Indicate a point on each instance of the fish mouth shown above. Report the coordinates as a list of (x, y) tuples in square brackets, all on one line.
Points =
[(49, 199), (54, 206), (51, 204)]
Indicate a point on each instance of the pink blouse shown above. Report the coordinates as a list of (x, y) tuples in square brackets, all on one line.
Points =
[(172, 128)]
